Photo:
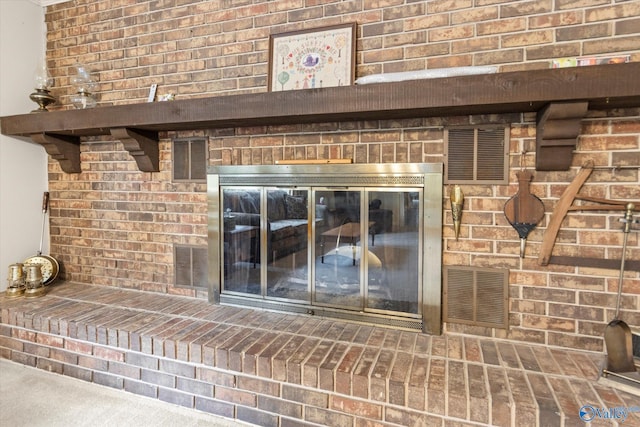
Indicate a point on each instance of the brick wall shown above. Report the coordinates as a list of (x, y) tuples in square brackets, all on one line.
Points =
[(113, 225), (207, 48)]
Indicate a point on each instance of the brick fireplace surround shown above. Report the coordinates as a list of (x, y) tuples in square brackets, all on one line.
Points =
[(116, 317), (275, 369)]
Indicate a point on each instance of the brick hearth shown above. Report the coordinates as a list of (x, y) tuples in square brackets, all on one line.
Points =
[(278, 369)]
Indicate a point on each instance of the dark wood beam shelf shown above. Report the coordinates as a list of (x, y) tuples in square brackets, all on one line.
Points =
[(601, 87)]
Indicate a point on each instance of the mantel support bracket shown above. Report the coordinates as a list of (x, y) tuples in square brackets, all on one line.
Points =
[(558, 128), (65, 149), (142, 145)]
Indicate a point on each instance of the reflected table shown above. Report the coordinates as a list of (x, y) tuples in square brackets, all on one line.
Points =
[(350, 232), (241, 245)]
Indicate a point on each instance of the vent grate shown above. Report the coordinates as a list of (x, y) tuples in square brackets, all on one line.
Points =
[(190, 160), (460, 163), (476, 155), (476, 296), (190, 266), (491, 155), (328, 180)]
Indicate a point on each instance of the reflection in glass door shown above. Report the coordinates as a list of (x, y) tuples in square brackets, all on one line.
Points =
[(372, 264), (288, 229), (356, 248), (338, 273), (241, 239), (393, 265)]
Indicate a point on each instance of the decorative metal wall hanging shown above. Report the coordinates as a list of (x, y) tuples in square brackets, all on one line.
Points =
[(457, 203)]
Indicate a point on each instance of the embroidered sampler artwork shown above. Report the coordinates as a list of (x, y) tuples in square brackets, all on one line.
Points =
[(313, 59)]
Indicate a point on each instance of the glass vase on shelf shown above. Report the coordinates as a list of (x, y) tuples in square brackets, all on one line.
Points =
[(84, 85)]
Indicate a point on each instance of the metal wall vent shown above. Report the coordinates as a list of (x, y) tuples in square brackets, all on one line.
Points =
[(190, 159), (191, 266), (476, 296), (476, 155)]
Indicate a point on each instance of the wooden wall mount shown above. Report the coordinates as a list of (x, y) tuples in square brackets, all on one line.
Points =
[(558, 128), (63, 148), (563, 206), (142, 145), (560, 211)]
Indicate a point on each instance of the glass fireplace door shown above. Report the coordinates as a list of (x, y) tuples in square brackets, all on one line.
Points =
[(394, 254), (241, 237), (367, 257), (289, 224), (338, 259), (353, 249)]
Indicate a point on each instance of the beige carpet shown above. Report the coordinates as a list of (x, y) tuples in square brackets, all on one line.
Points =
[(34, 397)]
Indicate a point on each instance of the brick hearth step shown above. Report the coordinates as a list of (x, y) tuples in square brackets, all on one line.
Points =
[(279, 369)]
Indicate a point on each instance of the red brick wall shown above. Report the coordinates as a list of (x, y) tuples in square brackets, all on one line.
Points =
[(116, 226), (205, 48)]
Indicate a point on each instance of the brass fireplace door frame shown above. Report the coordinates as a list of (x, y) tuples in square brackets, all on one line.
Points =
[(428, 176)]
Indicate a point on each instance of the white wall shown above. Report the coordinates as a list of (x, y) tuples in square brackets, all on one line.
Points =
[(23, 164)]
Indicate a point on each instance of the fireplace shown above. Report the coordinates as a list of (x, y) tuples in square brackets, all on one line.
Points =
[(357, 242)]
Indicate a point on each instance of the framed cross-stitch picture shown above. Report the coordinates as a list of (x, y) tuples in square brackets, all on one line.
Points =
[(316, 58)]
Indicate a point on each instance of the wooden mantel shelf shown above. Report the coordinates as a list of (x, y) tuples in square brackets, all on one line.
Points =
[(599, 87)]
